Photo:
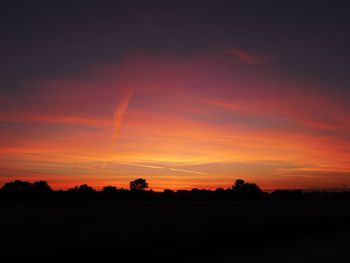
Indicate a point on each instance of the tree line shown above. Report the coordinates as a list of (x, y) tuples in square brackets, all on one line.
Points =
[(138, 190)]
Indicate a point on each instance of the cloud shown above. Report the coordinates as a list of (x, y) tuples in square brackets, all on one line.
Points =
[(186, 171), (58, 119), (119, 113), (246, 57), (305, 112), (187, 113)]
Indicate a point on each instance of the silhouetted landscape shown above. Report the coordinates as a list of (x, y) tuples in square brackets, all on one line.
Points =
[(237, 224), (24, 191), (175, 131)]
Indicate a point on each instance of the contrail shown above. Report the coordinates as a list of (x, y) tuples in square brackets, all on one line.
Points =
[(119, 113), (186, 171), (164, 167), (145, 165)]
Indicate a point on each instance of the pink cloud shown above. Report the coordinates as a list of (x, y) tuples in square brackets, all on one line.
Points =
[(246, 57)]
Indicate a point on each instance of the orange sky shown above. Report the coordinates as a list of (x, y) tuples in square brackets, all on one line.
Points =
[(180, 122)]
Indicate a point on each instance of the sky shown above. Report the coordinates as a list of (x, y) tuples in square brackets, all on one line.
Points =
[(186, 94)]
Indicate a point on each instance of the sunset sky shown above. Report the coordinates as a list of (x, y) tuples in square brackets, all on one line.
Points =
[(182, 93)]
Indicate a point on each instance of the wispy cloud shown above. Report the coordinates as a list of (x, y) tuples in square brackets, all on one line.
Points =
[(186, 171), (190, 120), (247, 57), (59, 119), (119, 113)]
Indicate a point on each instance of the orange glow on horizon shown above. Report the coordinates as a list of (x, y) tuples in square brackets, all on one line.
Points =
[(195, 122)]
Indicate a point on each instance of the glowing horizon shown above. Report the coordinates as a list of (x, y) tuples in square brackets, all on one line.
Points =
[(200, 121)]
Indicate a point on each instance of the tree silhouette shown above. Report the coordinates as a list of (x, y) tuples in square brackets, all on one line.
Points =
[(16, 186), (138, 184), (240, 187), (41, 187)]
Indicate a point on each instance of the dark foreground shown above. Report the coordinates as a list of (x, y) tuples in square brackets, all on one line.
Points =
[(175, 231)]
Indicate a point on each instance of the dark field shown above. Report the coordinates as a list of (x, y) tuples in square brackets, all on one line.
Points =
[(236, 231)]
